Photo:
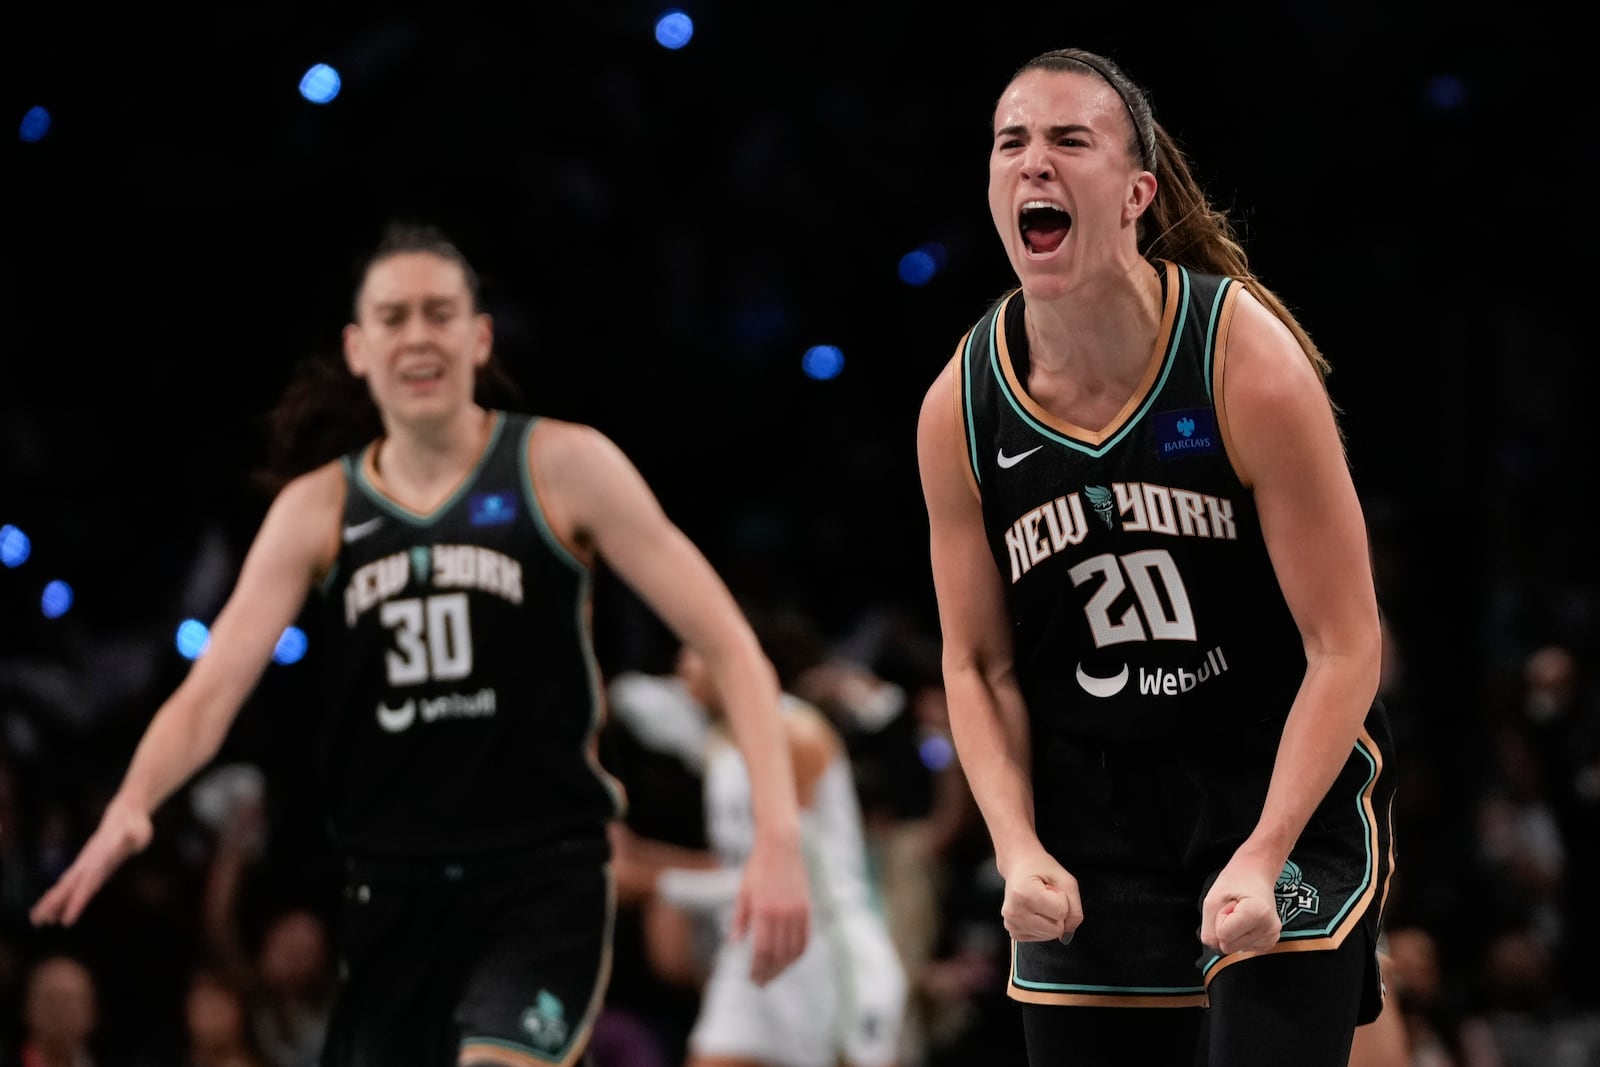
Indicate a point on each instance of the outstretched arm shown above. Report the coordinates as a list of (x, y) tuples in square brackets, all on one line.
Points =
[(296, 541), (987, 716), (596, 499)]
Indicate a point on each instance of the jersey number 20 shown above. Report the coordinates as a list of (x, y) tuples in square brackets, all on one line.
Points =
[(1166, 610)]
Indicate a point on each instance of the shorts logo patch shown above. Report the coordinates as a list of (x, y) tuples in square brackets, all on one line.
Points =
[(1294, 895), (546, 1023)]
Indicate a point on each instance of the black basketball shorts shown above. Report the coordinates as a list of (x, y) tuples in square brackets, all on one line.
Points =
[(511, 953), (1145, 828)]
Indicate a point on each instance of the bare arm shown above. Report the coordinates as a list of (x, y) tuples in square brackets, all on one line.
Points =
[(294, 544), (987, 716), (1285, 444), (597, 499)]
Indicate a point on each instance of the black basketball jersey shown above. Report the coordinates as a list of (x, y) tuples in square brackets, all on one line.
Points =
[(1143, 601), (463, 695)]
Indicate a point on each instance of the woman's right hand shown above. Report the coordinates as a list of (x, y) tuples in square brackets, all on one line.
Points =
[(123, 831), (1041, 901)]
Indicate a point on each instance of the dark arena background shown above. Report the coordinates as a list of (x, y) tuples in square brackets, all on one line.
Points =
[(741, 239)]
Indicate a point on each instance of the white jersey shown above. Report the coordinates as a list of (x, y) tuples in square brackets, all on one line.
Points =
[(845, 996), (830, 826)]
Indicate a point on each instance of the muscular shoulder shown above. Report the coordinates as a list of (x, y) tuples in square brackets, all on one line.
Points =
[(558, 442), (939, 402), (585, 483), (1265, 363), (941, 442), (574, 456), (306, 511), (303, 520), (1270, 389), (322, 488)]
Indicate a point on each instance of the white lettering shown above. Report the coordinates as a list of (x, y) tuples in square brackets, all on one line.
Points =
[(1129, 498), (477, 567), (1047, 529), (1191, 513), (1069, 518), (1027, 545), (1169, 683), (1163, 509), (1221, 512), (1018, 554), (1158, 504), (373, 583), (1037, 549), (458, 706)]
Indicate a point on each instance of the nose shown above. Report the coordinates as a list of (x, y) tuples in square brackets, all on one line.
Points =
[(414, 331), (1035, 163)]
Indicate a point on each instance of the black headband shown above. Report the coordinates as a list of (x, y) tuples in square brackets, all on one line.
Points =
[(1146, 151)]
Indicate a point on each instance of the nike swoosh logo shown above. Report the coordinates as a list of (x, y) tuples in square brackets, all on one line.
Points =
[(1006, 461), (1103, 687), (361, 529)]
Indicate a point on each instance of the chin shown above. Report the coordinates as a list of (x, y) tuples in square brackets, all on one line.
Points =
[(1040, 282), (426, 408)]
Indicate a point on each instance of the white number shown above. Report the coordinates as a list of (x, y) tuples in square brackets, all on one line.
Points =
[(1106, 630), (432, 638), (449, 636), (1166, 609), (408, 660)]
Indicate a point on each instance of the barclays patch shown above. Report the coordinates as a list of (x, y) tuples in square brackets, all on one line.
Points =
[(1187, 433), (492, 509)]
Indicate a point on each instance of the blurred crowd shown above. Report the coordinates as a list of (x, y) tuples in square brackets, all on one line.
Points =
[(214, 947)]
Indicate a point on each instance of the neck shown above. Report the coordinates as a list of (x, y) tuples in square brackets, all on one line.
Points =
[(1105, 324), (421, 455)]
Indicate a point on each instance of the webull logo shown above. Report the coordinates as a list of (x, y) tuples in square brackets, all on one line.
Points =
[(431, 709)]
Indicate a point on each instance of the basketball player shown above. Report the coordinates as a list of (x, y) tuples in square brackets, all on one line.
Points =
[(843, 1002), (1161, 633), (451, 559)]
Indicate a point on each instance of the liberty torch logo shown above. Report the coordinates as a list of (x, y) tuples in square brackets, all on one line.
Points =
[(1294, 895)]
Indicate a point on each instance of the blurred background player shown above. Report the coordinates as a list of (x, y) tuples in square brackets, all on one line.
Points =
[(844, 1000), (452, 546)]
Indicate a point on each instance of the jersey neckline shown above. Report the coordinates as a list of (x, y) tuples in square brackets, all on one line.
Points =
[(365, 470), (1063, 430)]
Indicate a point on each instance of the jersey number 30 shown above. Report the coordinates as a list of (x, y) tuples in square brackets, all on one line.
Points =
[(432, 638)]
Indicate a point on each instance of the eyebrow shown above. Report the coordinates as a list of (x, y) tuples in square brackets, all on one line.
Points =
[(1053, 131), (427, 302)]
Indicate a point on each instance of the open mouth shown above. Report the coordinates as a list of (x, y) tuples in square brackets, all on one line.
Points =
[(422, 374), (1044, 226)]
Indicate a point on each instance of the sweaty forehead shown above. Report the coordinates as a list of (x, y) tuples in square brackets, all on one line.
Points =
[(1044, 98)]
